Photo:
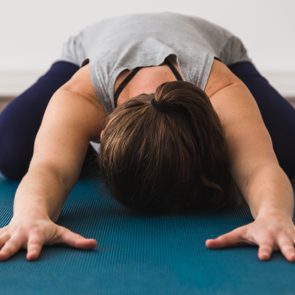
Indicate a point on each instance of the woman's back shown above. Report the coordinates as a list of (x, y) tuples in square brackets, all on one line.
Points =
[(126, 42)]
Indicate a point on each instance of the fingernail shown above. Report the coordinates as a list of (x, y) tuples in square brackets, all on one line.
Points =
[(264, 256)]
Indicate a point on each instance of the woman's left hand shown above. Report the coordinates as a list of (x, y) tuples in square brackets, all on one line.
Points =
[(274, 232)]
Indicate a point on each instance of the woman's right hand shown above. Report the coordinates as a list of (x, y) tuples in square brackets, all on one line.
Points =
[(33, 234)]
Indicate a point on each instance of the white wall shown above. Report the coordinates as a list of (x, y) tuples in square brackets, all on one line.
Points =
[(32, 32)]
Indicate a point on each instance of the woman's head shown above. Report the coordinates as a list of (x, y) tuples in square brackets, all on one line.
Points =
[(166, 152)]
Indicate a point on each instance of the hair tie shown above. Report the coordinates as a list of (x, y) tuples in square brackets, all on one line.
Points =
[(159, 106)]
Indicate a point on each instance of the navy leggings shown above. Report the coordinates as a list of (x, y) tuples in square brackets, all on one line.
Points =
[(20, 120)]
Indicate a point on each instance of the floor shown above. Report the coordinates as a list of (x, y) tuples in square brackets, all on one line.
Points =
[(3, 102)]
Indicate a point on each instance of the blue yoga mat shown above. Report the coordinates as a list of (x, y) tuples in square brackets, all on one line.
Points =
[(140, 254)]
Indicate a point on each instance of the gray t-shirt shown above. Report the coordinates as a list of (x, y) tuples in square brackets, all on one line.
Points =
[(126, 42)]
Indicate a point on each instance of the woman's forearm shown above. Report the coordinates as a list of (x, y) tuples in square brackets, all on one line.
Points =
[(41, 193), (269, 191)]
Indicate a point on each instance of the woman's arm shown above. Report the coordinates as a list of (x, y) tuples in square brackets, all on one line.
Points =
[(73, 118), (254, 165)]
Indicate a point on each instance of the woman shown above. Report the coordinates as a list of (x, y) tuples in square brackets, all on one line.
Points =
[(166, 145)]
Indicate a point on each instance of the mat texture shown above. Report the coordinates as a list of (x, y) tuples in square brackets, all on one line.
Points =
[(140, 254)]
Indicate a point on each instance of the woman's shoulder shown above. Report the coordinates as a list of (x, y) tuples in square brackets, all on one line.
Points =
[(220, 77)]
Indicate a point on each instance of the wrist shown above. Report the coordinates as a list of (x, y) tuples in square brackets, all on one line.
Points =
[(274, 213), (274, 197), (39, 197), (32, 212)]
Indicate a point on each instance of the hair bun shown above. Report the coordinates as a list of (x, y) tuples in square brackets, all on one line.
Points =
[(160, 106)]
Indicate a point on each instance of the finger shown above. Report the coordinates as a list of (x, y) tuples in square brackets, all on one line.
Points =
[(35, 244), (3, 239), (75, 240), (287, 247), (3, 229), (13, 245), (265, 250), (234, 237)]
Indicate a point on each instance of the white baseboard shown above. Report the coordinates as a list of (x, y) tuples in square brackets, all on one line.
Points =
[(284, 82), (13, 83)]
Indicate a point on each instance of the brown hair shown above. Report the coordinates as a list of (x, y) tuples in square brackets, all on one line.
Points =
[(166, 153)]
